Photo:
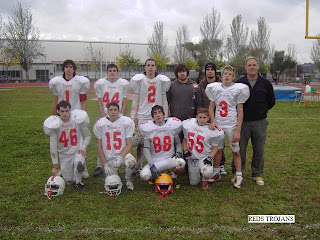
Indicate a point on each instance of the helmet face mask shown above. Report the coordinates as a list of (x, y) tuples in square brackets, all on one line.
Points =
[(113, 185), (54, 187), (164, 184)]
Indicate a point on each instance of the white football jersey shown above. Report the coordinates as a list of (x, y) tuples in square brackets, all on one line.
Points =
[(113, 135), (150, 92), (200, 139), (69, 133), (161, 137), (111, 91), (69, 90), (226, 100)]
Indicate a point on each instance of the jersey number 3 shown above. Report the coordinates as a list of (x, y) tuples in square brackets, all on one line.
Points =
[(224, 108)]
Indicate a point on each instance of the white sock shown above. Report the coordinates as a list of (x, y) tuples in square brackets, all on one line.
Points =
[(239, 174)]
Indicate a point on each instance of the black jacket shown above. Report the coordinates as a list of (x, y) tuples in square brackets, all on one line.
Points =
[(260, 101)]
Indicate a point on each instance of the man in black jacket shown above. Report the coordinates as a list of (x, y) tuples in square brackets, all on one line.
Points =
[(255, 121)]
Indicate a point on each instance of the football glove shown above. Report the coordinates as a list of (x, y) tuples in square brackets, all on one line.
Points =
[(154, 172), (208, 161), (117, 162), (187, 154), (107, 170)]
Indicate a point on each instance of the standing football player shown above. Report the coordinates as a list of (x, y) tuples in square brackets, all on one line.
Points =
[(110, 89), (200, 145), (71, 88), (151, 89), (161, 138), (66, 130), (228, 98), (114, 142)]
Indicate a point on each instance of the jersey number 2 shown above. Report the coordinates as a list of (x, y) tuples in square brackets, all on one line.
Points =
[(151, 94)]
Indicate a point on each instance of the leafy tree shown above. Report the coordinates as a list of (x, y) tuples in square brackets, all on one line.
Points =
[(157, 43), (281, 62), (8, 58), (237, 47), (192, 64), (260, 44), (127, 60), (181, 54), (23, 37), (93, 55), (315, 53), (211, 32), (161, 61)]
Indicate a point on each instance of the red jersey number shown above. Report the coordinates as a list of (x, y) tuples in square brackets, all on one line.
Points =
[(72, 137), (158, 147), (198, 145), (151, 94), (106, 98), (224, 108), (117, 142)]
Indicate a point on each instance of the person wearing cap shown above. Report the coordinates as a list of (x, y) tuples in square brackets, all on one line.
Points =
[(255, 121), (202, 100)]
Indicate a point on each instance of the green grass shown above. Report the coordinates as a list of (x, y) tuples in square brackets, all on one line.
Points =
[(291, 174)]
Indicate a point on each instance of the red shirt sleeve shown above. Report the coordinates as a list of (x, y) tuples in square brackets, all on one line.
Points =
[(83, 97)]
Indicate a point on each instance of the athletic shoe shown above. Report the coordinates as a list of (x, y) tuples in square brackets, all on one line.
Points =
[(238, 182), (175, 183), (233, 178), (215, 178), (98, 172), (205, 185), (137, 173), (85, 173), (223, 170), (129, 184), (258, 180), (80, 187)]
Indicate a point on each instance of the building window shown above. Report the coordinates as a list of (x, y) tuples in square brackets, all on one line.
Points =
[(42, 75)]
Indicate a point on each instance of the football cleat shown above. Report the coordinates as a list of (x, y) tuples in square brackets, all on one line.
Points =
[(258, 180), (80, 187), (215, 178), (98, 172), (129, 185), (238, 182), (223, 170)]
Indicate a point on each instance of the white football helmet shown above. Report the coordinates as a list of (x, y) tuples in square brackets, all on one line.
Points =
[(54, 187), (113, 185)]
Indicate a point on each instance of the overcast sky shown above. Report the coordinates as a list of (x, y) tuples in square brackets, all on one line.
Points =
[(132, 20)]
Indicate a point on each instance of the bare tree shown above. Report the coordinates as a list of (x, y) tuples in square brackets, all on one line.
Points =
[(291, 51), (211, 32), (157, 44), (260, 46), (23, 36), (181, 54), (237, 47), (315, 52), (93, 55)]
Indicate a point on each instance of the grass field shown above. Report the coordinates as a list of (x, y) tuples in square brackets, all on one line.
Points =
[(291, 174)]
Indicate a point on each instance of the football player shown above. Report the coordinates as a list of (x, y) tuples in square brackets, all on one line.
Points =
[(67, 146), (151, 89), (114, 142), (71, 88), (110, 89), (228, 98), (161, 138), (200, 145)]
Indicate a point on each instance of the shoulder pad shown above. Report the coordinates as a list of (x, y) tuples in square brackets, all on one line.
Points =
[(163, 78), (79, 116), (52, 122), (125, 81), (54, 80), (187, 123), (138, 77), (99, 81), (82, 79), (144, 127)]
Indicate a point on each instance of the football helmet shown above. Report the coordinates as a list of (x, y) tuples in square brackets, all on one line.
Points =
[(113, 185), (164, 185), (54, 186)]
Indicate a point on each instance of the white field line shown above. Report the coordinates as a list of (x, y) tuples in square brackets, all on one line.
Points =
[(212, 229)]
